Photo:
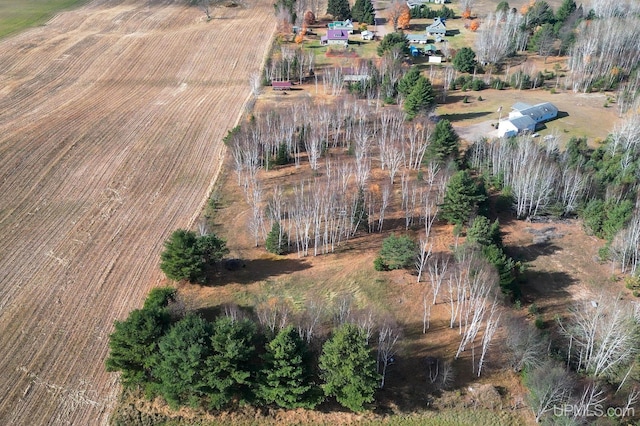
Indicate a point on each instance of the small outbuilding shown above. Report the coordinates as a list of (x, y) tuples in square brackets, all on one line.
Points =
[(366, 35), (281, 85)]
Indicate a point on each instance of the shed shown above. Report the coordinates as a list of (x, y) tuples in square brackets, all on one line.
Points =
[(433, 59), (430, 49), (414, 51), (281, 85), (366, 35)]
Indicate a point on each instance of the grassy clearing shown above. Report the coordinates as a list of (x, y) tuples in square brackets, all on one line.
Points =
[(16, 15)]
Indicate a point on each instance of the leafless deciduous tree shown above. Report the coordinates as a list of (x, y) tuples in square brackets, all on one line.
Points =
[(601, 336), (526, 346), (273, 314), (607, 49), (500, 35), (437, 271), (388, 336), (549, 385), (625, 247)]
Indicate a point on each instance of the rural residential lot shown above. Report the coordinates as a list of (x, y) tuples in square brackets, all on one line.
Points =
[(286, 212), (111, 119)]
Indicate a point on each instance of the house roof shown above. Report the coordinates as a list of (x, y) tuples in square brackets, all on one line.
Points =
[(519, 106), (337, 35), (537, 112), (523, 123), (416, 37), (438, 26), (430, 48), (336, 25)]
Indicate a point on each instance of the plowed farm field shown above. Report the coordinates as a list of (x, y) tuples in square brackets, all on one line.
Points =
[(111, 120)]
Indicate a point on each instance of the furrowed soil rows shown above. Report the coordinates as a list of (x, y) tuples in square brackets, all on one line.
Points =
[(111, 120)]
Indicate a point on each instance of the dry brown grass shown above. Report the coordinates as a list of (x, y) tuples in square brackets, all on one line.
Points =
[(112, 117)]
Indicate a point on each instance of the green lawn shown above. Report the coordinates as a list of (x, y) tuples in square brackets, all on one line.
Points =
[(16, 15)]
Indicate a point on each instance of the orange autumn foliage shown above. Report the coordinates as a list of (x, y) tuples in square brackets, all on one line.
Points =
[(300, 36), (466, 14), (405, 17), (474, 25)]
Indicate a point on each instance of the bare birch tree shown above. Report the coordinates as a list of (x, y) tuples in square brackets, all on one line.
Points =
[(387, 347), (602, 336)]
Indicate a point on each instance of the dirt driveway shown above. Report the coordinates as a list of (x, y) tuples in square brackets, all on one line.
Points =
[(473, 132)]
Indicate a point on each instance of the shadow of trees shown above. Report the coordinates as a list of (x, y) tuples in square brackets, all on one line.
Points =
[(246, 271), (463, 115)]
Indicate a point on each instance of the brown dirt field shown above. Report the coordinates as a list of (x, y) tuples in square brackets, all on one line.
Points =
[(112, 117)]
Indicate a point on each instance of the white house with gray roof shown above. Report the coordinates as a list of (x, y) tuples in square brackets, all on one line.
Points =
[(524, 118), (539, 112)]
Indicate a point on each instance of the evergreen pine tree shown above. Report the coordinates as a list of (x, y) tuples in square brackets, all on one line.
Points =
[(134, 343), (420, 99), (339, 9), (181, 362), (460, 199), (480, 231), (408, 81), (287, 374), (465, 60), (348, 368), (363, 12), (357, 11), (368, 13), (444, 143), (276, 241), (229, 368), (181, 258), (397, 252)]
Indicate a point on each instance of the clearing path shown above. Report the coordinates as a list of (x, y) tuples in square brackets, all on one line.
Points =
[(110, 138)]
